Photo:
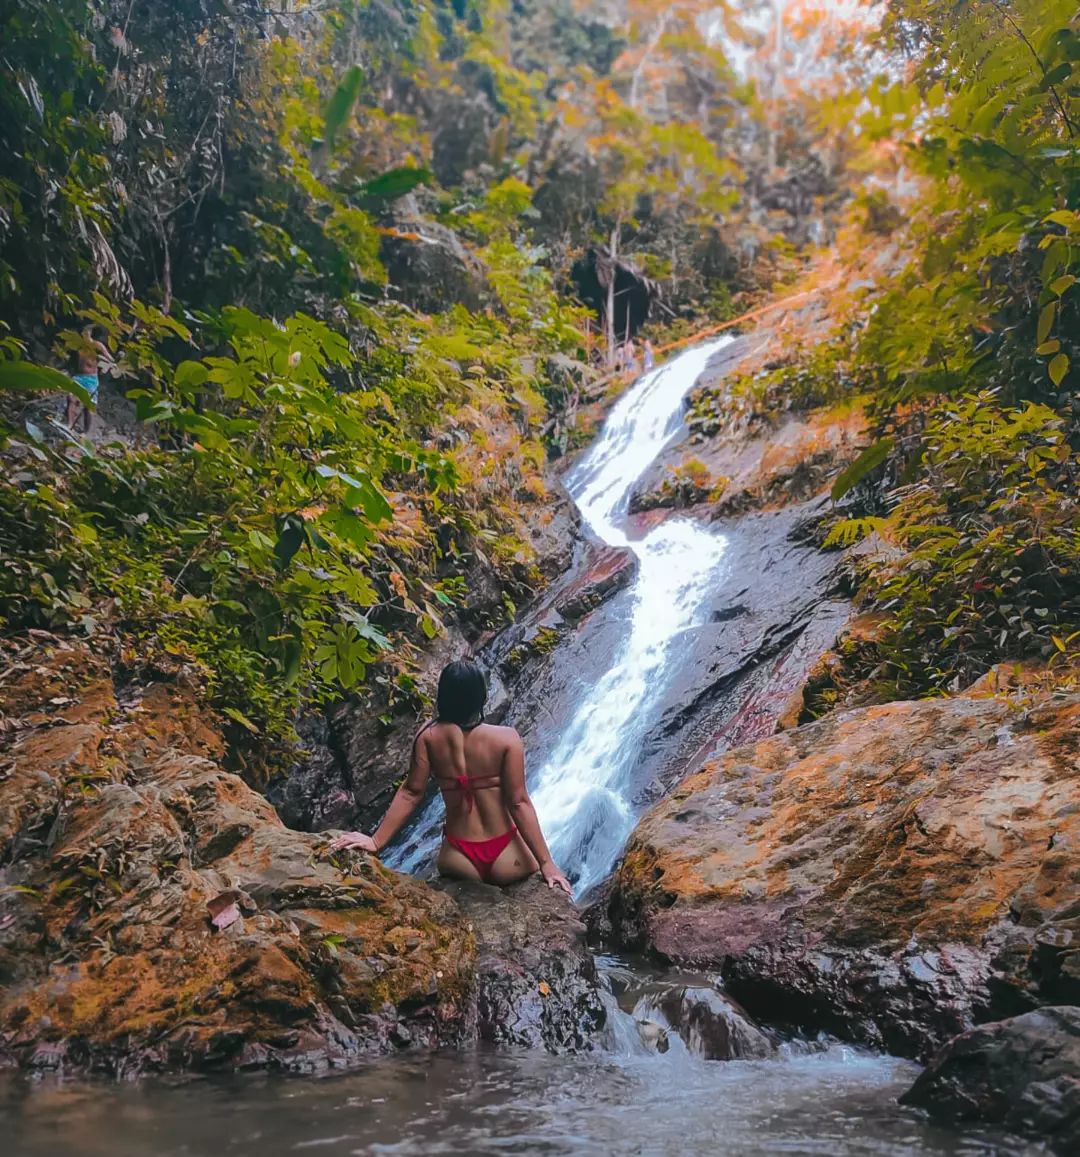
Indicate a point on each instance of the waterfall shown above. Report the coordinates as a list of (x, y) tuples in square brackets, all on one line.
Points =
[(581, 791)]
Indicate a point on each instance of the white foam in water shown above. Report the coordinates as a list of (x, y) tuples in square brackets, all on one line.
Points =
[(678, 563), (579, 791)]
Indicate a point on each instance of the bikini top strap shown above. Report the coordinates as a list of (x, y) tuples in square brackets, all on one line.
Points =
[(427, 727), (469, 785)]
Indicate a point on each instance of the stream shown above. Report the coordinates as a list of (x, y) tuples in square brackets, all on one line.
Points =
[(816, 1098), (838, 1103)]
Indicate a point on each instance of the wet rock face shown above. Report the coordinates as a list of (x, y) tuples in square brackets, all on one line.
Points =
[(608, 569), (711, 1025), (730, 463), (536, 982), (892, 874), (1022, 1073), (156, 914)]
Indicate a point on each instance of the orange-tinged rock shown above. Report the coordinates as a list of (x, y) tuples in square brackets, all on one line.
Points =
[(121, 838), (886, 873), (110, 959)]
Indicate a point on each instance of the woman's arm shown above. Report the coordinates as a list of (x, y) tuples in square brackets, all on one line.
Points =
[(520, 807), (404, 803)]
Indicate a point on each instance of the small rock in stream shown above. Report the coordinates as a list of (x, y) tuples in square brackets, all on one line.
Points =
[(711, 1025)]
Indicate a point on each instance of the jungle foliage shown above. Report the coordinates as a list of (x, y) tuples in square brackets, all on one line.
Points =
[(326, 247), (305, 469), (968, 356)]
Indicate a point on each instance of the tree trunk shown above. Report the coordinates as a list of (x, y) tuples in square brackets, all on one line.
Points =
[(774, 95), (609, 311)]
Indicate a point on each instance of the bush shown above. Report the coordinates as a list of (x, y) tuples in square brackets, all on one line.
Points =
[(990, 535)]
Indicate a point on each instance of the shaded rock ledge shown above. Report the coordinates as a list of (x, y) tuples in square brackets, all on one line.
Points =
[(1022, 1073), (892, 875), (155, 914)]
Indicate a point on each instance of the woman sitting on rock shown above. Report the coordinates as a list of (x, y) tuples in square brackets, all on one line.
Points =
[(492, 833)]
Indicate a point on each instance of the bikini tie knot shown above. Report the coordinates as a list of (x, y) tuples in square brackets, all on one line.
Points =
[(467, 792)]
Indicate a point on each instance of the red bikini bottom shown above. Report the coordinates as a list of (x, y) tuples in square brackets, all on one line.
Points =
[(482, 854)]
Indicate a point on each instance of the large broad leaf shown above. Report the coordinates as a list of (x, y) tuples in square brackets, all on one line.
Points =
[(360, 492), (290, 538), (394, 183), (340, 106), (869, 459), (371, 500), (31, 378)]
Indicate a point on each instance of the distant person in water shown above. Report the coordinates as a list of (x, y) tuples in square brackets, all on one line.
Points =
[(648, 358), (631, 357), (492, 833)]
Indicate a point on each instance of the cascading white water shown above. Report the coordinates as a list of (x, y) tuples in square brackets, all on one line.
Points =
[(581, 792)]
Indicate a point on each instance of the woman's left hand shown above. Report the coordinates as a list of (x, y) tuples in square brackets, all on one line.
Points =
[(352, 840)]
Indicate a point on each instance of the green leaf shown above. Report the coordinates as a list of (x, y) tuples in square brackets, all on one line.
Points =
[(243, 720), (1056, 75), (1048, 347), (340, 105), (394, 183), (1058, 368), (454, 345), (868, 460), (351, 527), (1062, 283), (289, 541), (851, 530), (366, 629), (190, 375), (371, 500), (292, 653), (28, 377), (150, 409)]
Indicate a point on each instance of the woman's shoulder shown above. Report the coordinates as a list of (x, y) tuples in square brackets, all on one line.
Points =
[(508, 736)]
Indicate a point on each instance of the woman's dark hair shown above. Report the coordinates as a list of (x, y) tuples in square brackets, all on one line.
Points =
[(462, 693)]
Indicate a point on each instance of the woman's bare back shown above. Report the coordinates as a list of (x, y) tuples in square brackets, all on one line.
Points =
[(477, 809)]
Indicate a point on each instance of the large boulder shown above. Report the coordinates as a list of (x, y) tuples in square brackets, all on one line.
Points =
[(892, 874), (156, 914), (1022, 1073), (428, 266)]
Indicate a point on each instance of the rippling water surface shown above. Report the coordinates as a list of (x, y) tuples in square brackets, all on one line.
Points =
[(838, 1103)]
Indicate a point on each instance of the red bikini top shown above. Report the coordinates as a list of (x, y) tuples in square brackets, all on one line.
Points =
[(469, 786), (466, 784)]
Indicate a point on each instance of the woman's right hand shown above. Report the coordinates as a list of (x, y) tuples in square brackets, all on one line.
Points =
[(555, 878), (352, 840)]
